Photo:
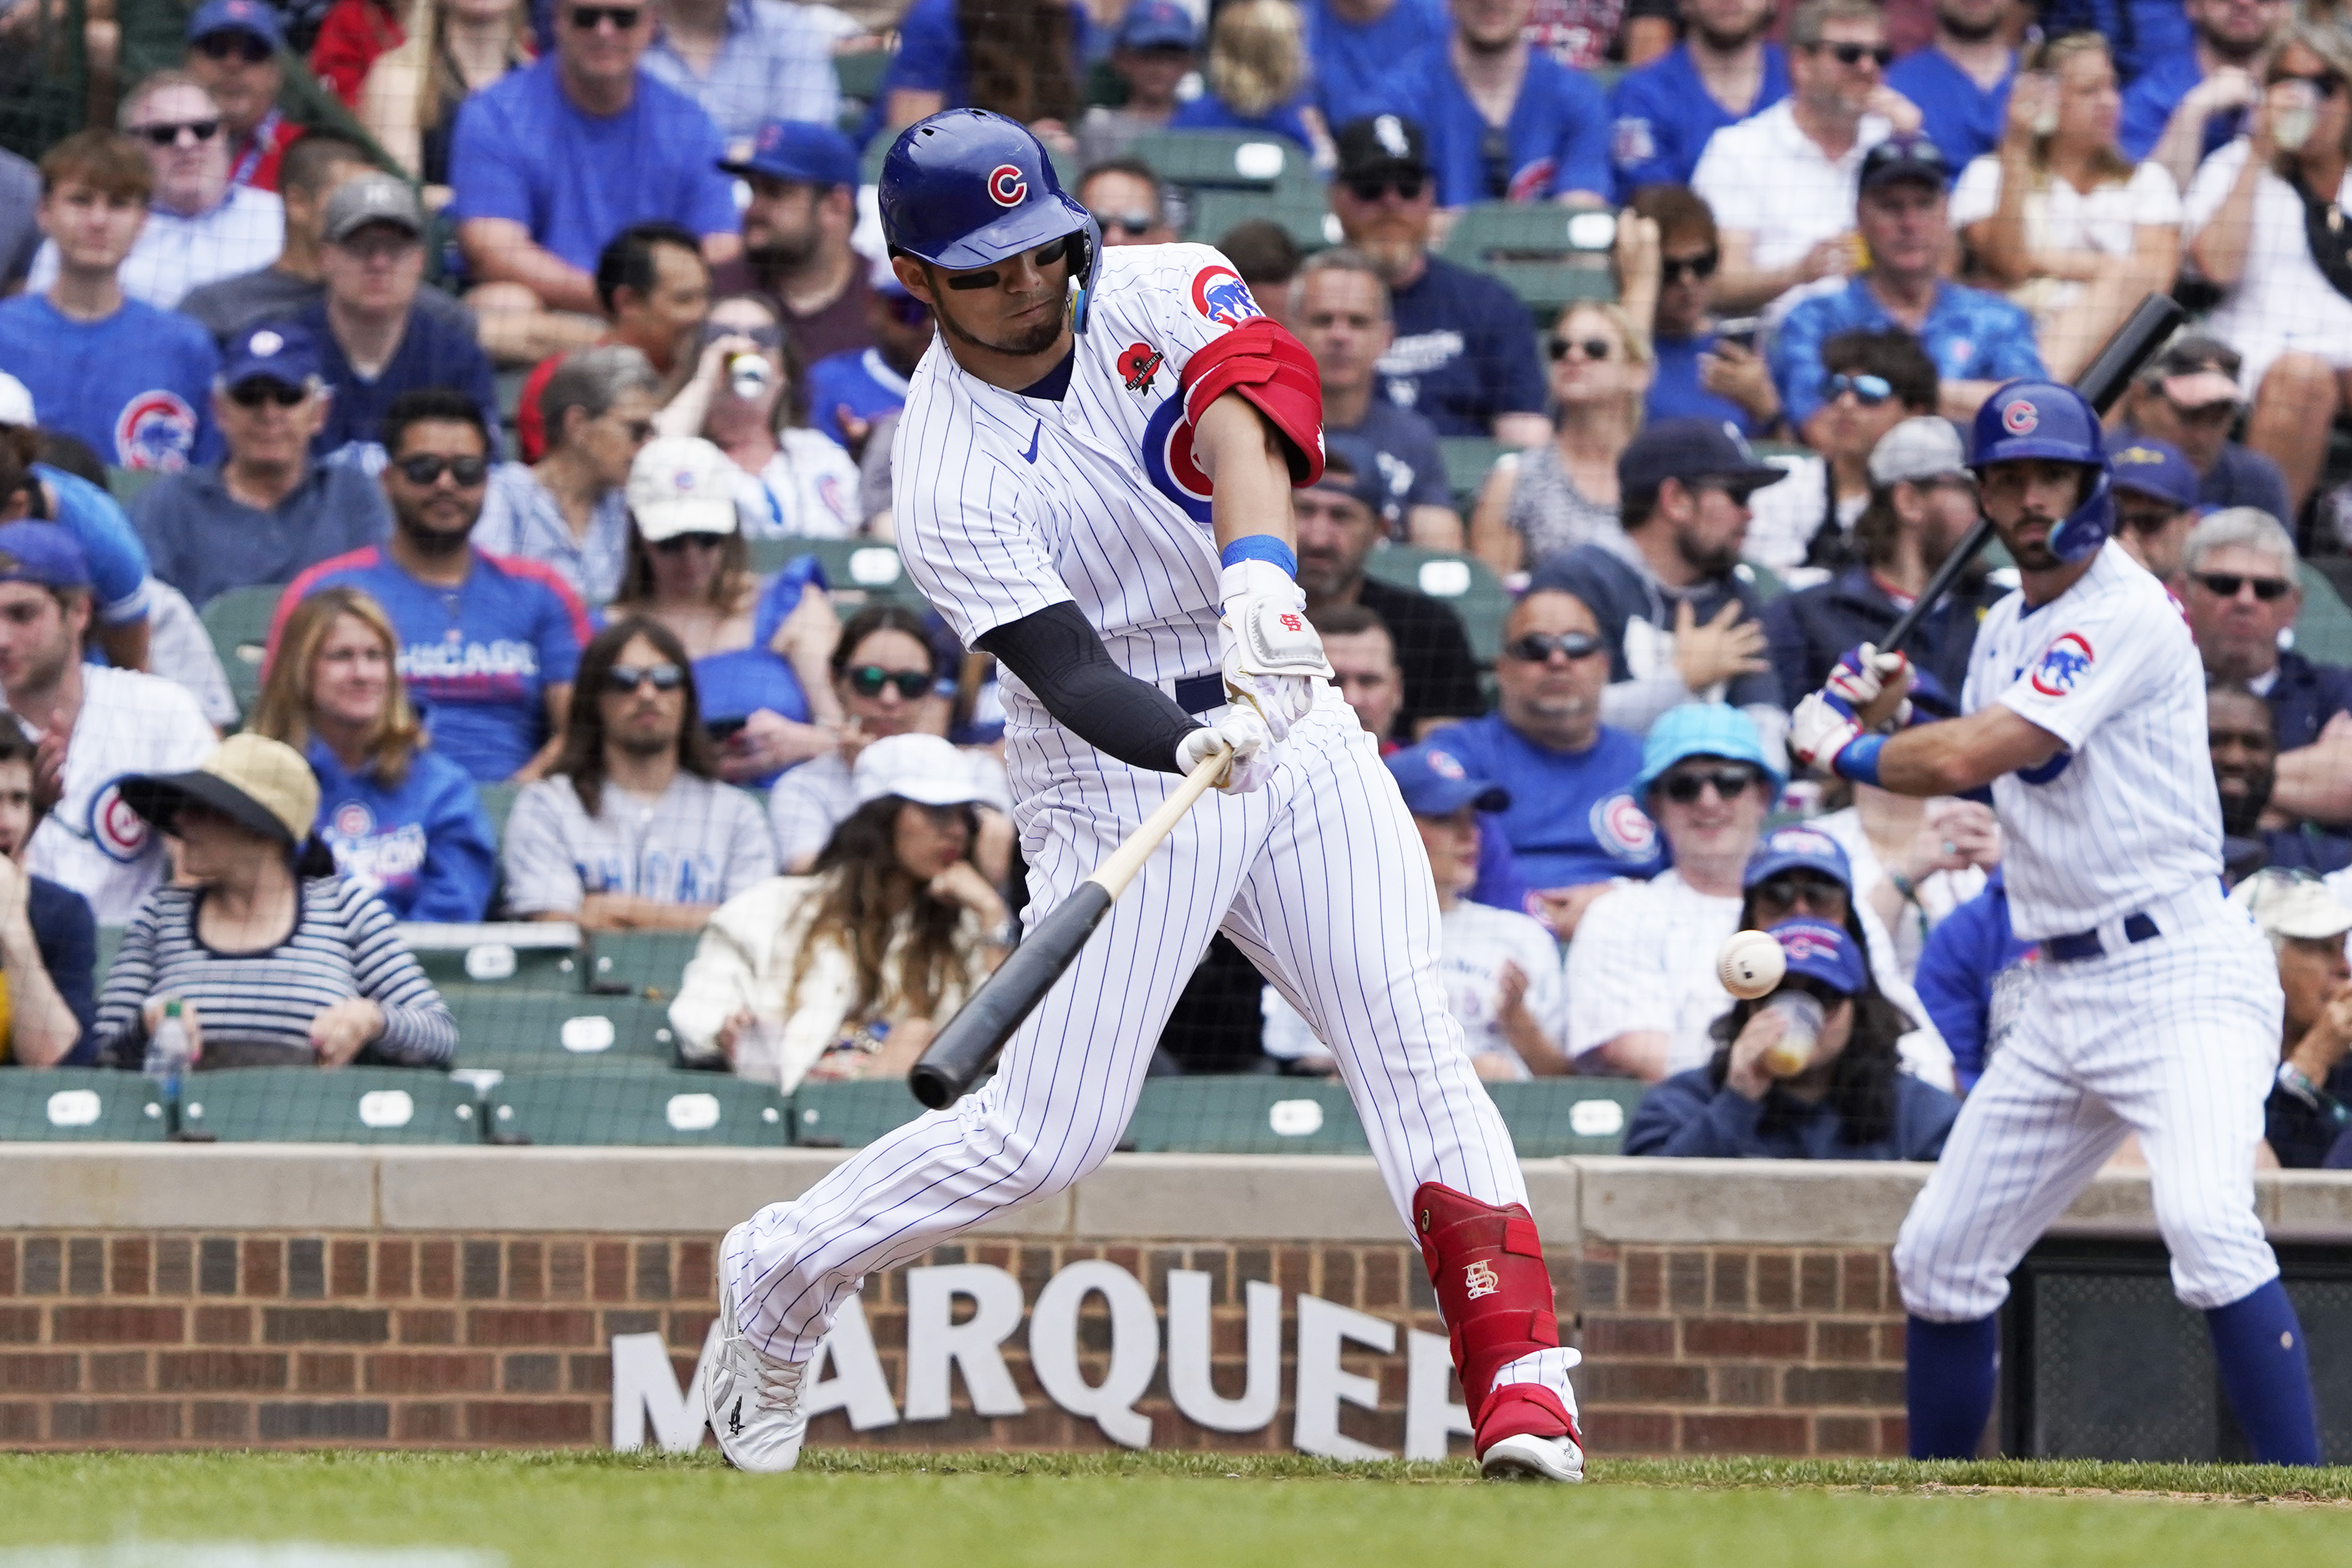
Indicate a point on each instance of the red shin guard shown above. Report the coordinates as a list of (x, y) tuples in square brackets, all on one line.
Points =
[(1486, 1265)]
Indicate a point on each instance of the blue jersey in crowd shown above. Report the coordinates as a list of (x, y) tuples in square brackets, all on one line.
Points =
[(1675, 388), (432, 353), (424, 846), (1556, 139), (480, 659), (1210, 112), (1691, 1116), (525, 153), (1464, 352), (1571, 819), (1969, 978), (930, 56), (858, 379), (2139, 32), (2149, 103), (137, 386), (118, 561), (1663, 114), (1963, 119), (1375, 68), (1970, 334)]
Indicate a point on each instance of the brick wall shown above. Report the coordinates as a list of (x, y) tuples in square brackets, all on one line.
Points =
[(173, 1339)]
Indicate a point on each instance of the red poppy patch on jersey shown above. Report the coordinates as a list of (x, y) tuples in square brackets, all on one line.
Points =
[(1219, 293), (1139, 364), (2064, 662)]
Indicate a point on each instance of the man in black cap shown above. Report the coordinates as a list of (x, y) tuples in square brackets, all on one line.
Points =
[(1464, 357), (1977, 340), (1679, 624)]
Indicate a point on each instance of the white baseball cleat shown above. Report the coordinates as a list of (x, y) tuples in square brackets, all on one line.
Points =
[(1530, 1457), (753, 1399)]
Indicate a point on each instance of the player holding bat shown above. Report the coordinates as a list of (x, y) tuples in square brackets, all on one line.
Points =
[(2154, 1006), (1093, 475)]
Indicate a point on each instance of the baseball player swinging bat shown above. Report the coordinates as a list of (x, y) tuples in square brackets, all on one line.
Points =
[(961, 1051)]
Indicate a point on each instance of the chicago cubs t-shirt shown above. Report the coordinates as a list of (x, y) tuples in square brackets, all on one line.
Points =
[(422, 846), (1571, 819), (1663, 115), (477, 658), (1556, 139), (136, 386)]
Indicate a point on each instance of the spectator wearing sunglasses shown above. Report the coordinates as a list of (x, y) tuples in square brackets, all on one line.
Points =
[(2156, 505), (489, 645), (232, 49), (804, 183), (655, 289), (1372, 57), (374, 343), (1257, 79), (1781, 182), (1155, 49), (849, 393), (1339, 309), (1678, 622), (2308, 1120), (885, 673), (1668, 257), (1507, 121), (749, 397), (130, 379), (1539, 504), (633, 829), (1128, 200), (2188, 103), (200, 224), (271, 507), (1961, 79), (1463, 357), (1572, 826), (568, 511), (2189, 395), (1722, 72), (1977, 340)]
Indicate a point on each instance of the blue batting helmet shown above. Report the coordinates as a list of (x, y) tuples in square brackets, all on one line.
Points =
[(2047, 420), (966, 188)]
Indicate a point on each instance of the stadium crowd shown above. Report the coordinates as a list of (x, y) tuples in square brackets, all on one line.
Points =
[(532, 361)]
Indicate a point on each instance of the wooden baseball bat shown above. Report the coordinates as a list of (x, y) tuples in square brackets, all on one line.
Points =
[(962, 1050), (2103, 381)]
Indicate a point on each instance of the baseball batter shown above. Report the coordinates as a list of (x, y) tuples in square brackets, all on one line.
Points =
[(1093, 476), (2153, 1007)]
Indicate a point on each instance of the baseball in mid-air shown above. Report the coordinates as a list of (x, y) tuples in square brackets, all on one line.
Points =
[(1750, 964)]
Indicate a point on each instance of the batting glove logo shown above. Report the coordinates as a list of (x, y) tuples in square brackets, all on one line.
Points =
[(1007, 185), (1479, 1279)]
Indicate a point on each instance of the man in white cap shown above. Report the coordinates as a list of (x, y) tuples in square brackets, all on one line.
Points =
[(2307, 1118)]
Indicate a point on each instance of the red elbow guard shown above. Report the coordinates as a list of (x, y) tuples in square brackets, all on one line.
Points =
[(1267, 365)]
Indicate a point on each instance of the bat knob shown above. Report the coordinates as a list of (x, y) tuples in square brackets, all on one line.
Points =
[(935, 1089)]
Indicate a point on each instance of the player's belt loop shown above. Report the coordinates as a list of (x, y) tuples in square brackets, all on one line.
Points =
[(1198, 695), (2135, 928)]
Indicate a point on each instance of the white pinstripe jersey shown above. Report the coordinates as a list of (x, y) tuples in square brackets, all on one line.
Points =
[(1008, 505), (2126, 815)]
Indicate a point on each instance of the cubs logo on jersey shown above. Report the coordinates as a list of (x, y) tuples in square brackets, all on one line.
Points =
[(1530, 183), (156, 431), (1169, 461), (1623, 828), (2064, 662), (121, 833), (1219, 293)]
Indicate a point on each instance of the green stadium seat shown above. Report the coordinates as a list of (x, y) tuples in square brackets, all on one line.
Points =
[(1762, 578), (238, 622), (125, 485), (856, 570), (691, 1109), (1225, 159), (1252, 1115), (517, 1029), (859, 77), (77, 1104), (649, 963), (497, 800), (110, 943), (342, 1105), (2324, 630), (1468, 460), (849, 1115), (1303, 215), (1547, 254), (1463, 582), (1550, 1117), (503, 955)]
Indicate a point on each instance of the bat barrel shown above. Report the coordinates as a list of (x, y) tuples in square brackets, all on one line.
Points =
[(969, 1042)]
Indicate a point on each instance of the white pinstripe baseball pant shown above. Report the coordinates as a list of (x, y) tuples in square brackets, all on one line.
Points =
[(2175, 1038), (1318, 876)]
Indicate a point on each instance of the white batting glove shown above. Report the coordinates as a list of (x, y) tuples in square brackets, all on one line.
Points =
[(1818, 728), (1272, 656), (1873, 684), (1253, 750)]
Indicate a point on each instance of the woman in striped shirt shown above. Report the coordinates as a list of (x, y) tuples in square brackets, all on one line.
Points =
[(276, 962)]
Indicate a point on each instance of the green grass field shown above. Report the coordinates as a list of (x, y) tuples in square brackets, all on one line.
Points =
[(1143, 1511)]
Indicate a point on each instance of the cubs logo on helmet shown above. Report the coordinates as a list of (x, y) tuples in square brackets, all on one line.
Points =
[(120, 833), (2064, 662), (1219, 293), (1007, 186), (2019, 417), (1169, 463), (156, 431)]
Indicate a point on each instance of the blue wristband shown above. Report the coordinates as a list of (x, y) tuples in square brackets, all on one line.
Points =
[(1260, 547), (1859, 760)]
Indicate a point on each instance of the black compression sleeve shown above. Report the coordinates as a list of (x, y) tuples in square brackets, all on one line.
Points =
[(1058, 656)]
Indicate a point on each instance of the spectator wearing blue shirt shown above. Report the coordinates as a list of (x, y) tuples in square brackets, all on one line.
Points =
[(1977, 340), (1972, 979), (270, 508), (1463, 357), (1025, 59), (1844, 1097), (1509, 123), (48, 941), (488, 646), (2188, 103), (1722, 72), (1258, 78), (2141, 32), (551, 162), (2189, 396), (401, 820), (1668, 253), (745, 61), (1572, 824), (1154, 49), (373, 343), (1339, 309), (849, 391), (131, 381), (1372, 57), (1960, 82)]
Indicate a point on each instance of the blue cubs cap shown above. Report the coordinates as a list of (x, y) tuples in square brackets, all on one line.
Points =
[(280, 352), (42, 553), (1157, 24), (1436, 783), (1691, 450), (1702, 729), (251, 17), (1905, 155), (1820, 951), (2155, 468), (800, 150), (1798, 847)]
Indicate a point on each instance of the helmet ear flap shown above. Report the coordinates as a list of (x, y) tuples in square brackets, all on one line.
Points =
[(1083, 267)]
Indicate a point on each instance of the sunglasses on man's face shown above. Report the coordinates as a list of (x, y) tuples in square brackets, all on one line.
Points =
[(664, 676), (1868, 390), (1408, 187), (253, 394), (426, 468), (1674, 268), (1853, 54), (867, 681), (1729, 783), (1537, 647), (1129, 223), (1595, 349), (167, 134), (2226, 584), (623, 18), (234, 46), (2145, 522)]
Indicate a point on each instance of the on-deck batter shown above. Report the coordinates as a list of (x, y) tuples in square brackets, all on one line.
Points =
[(2154, 1006), (1094, 488)]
